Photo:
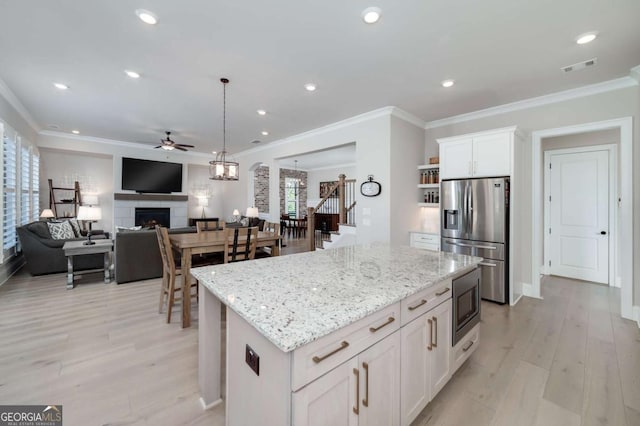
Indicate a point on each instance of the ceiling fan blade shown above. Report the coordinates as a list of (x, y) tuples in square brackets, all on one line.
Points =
[(181, 149), (159, 146), (184, 145)]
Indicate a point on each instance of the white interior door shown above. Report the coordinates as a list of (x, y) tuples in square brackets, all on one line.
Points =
[(579, 215)]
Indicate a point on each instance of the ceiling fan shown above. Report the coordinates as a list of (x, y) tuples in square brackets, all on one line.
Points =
[(169, 145)]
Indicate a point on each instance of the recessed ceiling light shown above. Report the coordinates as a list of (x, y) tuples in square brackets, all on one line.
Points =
[(61, 86), (75, 132), (265, 133), (310, 87), (132, 74), (147, 17), (262, 112), (448, 83), (586, 37), (214, 152), (371, 15)]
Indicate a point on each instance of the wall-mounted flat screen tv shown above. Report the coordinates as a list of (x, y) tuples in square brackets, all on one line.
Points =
[(151, 176)]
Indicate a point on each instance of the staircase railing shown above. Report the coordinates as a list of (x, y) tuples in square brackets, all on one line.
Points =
[(339, 200)]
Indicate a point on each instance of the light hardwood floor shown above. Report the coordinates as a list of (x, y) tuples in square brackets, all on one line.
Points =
[(104, 352)]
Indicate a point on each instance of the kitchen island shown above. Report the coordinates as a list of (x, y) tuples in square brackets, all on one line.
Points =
[(315, 338)]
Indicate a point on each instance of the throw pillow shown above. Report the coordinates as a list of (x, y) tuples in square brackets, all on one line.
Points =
[(60, 230), (76, 227), (128, 229), (244, 221)]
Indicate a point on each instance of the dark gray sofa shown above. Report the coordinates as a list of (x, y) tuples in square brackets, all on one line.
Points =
[(138, 254), (44, 255)]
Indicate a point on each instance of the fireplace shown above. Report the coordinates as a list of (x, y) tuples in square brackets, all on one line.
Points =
[(149, 217)]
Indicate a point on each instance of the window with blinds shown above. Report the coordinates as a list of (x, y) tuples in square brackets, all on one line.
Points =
[(25, 185), (9, 163), (35, 186)]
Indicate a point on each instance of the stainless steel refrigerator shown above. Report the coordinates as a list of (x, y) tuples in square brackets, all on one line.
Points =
[(475, 221)]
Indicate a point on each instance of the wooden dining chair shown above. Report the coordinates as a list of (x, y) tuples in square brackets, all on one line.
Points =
[(210, 225), (268, 227), (170, 272), (240, 244)]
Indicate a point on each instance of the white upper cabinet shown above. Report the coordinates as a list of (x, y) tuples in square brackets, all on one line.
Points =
[(456, 158), (478, 155)]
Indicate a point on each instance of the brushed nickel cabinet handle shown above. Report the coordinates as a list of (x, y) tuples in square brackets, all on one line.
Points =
[(318, 359), (389, 321), (468, 347), (422, 302), (435, 326), (365, 401), (492, 265), (356, 409), (430, 347), (440, 293)]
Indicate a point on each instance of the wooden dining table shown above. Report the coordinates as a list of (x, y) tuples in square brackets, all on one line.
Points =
[(208, 242)]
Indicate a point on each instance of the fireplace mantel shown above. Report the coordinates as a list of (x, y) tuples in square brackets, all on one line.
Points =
[(150, 197)]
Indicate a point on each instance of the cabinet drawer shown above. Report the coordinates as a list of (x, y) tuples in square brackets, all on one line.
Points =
[(463, 350), (316, 358), (417, 237), (426, 246), (414, 306)]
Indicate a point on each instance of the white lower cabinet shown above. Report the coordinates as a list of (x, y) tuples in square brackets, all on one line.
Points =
[(364, 390), (426, 359)]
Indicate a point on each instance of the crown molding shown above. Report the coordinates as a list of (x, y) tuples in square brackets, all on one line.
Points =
[(376, 113), (13, 100), (592, 89), (408, 117), (635, 73), (112, 142)]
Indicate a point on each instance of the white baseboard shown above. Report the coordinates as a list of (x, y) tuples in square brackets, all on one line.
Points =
[(213, 404), (530, 291), (636, 315)]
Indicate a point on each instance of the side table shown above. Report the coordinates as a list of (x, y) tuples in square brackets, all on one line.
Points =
[(78, 248)]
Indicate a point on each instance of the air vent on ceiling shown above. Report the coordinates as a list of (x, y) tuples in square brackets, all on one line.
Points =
[(255, 141), (580, 65), (54, 126)]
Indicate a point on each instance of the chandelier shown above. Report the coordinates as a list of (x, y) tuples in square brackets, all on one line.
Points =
[(221, 168)]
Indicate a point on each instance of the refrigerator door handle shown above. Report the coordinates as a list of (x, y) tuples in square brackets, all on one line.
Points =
[(453, 243), (493, 265)]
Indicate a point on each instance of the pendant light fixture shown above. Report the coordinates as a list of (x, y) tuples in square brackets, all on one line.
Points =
[(221, 168)]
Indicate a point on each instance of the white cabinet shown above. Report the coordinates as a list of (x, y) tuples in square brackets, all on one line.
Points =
[(478, 155), (426, 359), (424, 240), (330, 400), (456, 158), (362, 391)]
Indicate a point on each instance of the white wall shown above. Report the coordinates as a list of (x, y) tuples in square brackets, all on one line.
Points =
[(603, 106), (56, 165), (84, 152), (198, 178), (370, 132), (407, 144), (314, 177)]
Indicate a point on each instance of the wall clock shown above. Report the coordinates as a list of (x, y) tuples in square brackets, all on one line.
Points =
[(370, 188)]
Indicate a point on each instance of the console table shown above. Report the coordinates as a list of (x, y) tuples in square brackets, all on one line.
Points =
[(78, 248)]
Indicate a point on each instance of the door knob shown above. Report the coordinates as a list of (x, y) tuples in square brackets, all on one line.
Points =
[(603, 232)]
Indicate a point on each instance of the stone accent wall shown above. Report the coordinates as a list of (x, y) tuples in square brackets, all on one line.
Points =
[(261, 189), (302, 194)]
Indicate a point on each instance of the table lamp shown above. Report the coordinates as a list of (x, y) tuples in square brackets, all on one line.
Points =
[(236, 215), (47, 214), (252, 213), (203, 202), (89, 214)]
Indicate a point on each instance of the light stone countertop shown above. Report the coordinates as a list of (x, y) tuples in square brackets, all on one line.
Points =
[(295, 299)]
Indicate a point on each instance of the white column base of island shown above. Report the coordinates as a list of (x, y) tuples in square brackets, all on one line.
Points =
[(356, 335)]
